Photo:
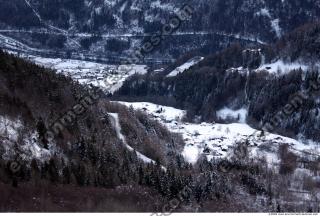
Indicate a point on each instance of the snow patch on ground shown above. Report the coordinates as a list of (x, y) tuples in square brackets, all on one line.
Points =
[(281, 67), (31, 145), (15, 141), (276, 27), (240, 70), (185, 66), (9, 129), (228, 114), (163, 6), (264, 12), (163, 112), (12, 44)]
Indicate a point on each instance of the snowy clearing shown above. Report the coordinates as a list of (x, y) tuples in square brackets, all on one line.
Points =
[(185, 66), (218, 140), (163, 112), (281, 67), (239, 115)]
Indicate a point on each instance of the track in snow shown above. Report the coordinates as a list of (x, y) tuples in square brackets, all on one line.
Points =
[(114, 117)]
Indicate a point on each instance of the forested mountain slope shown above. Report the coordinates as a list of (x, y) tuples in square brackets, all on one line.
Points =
[(261, 80), (102, 29), (56, 132), (89, 164)]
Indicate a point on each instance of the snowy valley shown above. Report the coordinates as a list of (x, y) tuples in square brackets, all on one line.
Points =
[(213, 140), (159, 106)]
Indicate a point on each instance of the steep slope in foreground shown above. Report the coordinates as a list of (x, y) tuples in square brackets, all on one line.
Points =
[(55, 132)]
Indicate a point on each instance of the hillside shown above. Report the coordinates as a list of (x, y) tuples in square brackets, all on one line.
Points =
[(259, 81), (56, 132), (108, 30), (108, 156), (159, 106)]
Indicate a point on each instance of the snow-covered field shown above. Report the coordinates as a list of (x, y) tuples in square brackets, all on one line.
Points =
[(108, 77), (219, 140), (280, 67), (226, 113), (185, 66)]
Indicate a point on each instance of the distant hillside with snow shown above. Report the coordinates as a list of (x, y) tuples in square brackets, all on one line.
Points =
[(104, 29), (244, 84), (217, 140)]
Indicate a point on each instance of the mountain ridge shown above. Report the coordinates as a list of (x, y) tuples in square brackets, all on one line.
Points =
[(79, 27)]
